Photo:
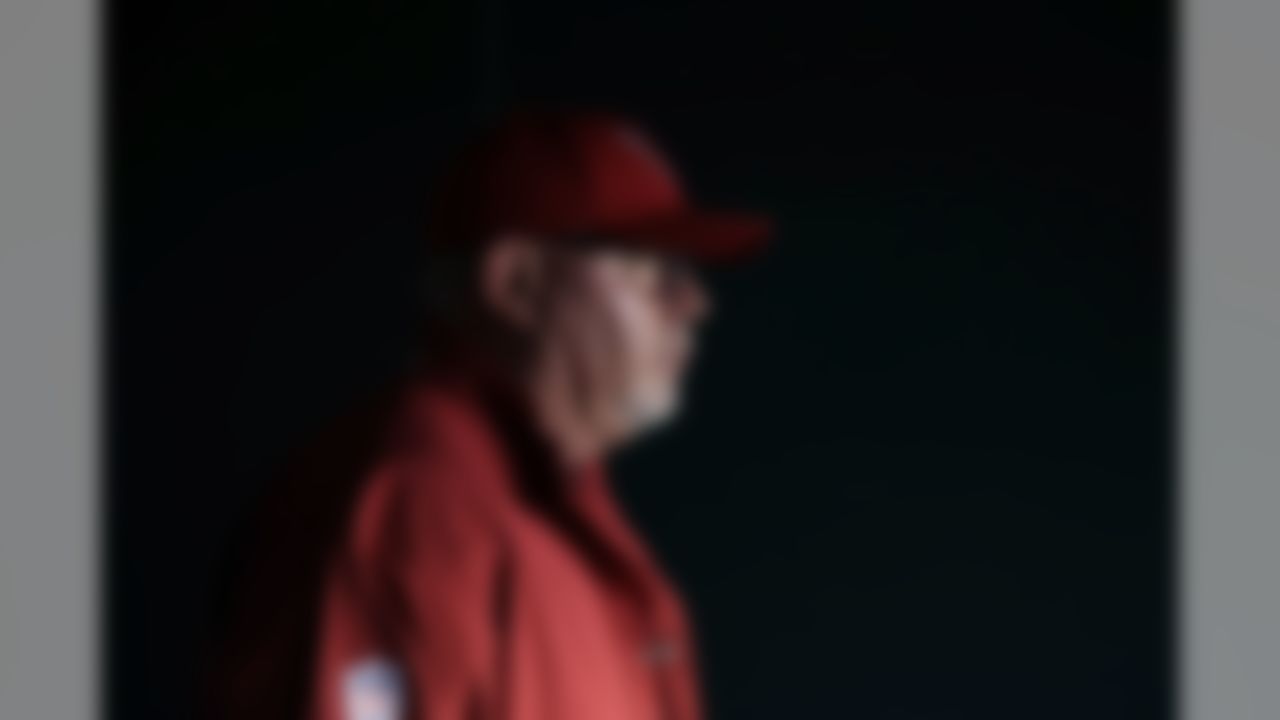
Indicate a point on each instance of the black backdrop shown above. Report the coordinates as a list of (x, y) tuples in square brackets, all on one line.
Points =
[(925, 470)]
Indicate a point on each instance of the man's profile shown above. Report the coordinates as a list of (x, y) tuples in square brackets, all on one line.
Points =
[(456, 553)]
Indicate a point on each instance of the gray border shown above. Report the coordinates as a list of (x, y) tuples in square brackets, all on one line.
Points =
[(1230, 337), (48, 409), (1230, 357)]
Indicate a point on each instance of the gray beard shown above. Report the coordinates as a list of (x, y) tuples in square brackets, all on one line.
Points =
[(648, 411)]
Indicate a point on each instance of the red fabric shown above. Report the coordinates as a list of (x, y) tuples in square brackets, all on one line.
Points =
[(500, 588)]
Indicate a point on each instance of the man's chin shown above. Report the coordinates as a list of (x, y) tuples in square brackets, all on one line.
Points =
[(652, 411)]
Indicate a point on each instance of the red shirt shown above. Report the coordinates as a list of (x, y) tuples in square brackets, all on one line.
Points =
[(431, 559)]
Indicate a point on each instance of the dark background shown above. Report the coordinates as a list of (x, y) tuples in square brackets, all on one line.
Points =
[(925, 472)]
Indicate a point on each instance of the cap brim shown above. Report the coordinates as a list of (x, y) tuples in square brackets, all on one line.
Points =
[(704, 236)]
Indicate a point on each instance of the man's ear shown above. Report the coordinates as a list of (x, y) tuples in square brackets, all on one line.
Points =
[(513, 276)]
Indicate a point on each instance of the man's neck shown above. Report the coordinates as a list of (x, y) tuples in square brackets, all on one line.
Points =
[(554, 416), (546, 409)]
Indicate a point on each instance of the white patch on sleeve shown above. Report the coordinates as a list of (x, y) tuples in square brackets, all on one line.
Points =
[(373, 689)]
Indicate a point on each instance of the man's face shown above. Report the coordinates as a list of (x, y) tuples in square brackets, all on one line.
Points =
[(628, 320)]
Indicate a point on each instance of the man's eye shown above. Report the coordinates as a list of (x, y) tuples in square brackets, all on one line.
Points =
[(674, 274), (647, 270)]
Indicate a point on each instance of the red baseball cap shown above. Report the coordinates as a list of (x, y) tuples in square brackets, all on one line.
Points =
[(582, 176)]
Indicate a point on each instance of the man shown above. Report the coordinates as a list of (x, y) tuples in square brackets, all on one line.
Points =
[(456, 554)]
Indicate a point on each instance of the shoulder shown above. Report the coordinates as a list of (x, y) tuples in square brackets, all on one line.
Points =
[(440, 484)]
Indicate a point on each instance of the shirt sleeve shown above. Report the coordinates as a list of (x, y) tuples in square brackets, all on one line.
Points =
[(408, 624)]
